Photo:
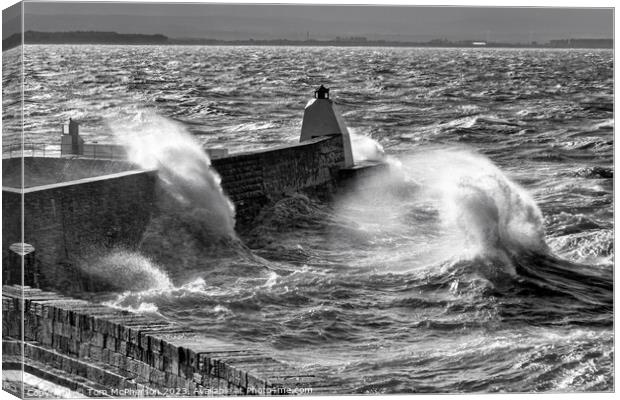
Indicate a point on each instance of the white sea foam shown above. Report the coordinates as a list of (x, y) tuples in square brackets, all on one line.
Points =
[(139, 308), (365, 148)]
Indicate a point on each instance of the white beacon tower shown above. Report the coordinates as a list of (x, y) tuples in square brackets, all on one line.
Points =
[(322, 118)]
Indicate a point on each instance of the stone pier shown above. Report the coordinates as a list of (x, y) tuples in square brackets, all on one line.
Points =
[(66, 207), (102, 351)]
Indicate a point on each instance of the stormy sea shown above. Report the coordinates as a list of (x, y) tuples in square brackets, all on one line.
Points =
[(482, 261)]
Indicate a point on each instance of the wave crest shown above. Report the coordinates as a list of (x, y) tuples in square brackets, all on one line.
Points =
[(476, 198), (183, 167)]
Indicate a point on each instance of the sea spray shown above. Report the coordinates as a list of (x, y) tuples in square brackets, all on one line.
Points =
[(122, 269), (439, 206), (191, 233), (184, 168), (490, 210), (365, 148)]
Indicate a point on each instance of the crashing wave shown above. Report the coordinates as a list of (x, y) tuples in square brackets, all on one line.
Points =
[(183, 167)]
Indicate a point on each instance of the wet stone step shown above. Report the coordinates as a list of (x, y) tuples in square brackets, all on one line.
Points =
[(62, 378)]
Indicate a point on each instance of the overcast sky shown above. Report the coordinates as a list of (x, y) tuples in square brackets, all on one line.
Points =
[(239, 21)]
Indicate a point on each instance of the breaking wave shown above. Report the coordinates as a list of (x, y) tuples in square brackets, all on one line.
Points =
[(453, 209), (450, 201), (365, 148), (183, 167), (476, 198)]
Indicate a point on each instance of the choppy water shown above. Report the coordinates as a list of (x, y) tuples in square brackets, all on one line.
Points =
[(483, 262)]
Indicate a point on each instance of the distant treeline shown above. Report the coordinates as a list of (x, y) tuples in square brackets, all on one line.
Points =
[(82, 37), (12, 41), (94, 37), (583, 43), (363, 42)]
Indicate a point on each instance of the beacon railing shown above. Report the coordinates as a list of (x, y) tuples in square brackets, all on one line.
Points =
[(30, 149), (98, 150), (41, 149)]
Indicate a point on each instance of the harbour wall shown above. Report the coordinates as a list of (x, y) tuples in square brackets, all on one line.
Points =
[(96, 349), (39, 171), (92, 348), (68, 220), (254, 179)]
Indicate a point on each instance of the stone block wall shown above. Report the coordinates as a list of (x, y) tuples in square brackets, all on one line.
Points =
[(65, 220), (252, 180), (11, 222), (119, 349), (242, 181)]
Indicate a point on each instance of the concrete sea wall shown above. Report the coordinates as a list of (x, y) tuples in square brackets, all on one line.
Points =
[(99, 350)]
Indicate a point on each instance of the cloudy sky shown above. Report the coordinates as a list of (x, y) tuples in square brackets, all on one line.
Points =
[(243, 21)]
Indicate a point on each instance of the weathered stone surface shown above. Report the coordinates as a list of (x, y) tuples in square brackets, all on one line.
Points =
[(254, 179), (151, 353), (70, 219), (66, 221)]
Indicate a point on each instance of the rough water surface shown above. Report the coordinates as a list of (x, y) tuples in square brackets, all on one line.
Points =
[(482, 262)]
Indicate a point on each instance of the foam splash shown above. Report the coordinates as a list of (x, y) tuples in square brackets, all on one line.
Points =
[(145, 300), (593, 247), (140, 308), (271, 280), (155, 142), (127, 270), (365, 148)]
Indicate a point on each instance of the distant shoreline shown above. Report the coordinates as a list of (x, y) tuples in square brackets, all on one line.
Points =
[(113, 38)]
